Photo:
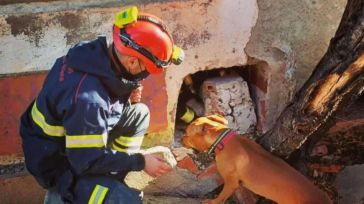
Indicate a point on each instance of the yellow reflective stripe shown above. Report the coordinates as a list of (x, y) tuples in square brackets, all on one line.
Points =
[(114, 147), (84, 141), (51, 130), (129, 151), (131, 138), (98, 195), (129, 141)]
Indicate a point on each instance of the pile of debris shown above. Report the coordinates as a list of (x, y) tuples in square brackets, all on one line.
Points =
[(342, 146), (332, 154)]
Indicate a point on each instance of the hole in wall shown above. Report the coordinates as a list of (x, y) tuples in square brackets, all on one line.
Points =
[(219, 91)]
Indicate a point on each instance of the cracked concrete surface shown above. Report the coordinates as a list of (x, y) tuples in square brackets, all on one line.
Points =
[(291, 37), (229, 96)]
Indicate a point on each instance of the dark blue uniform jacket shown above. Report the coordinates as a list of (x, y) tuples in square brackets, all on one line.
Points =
[(65, 130)]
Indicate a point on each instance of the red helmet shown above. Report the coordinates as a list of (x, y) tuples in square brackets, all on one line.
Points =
[(144, 36)]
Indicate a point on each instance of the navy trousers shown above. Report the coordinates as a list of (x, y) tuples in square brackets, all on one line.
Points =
[(108, 188), (97, 190), (105, 190)]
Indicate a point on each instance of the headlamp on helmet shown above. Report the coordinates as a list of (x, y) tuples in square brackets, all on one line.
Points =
[(125, 17)]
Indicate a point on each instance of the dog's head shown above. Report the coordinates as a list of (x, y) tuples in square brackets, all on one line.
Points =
[(203, 131)]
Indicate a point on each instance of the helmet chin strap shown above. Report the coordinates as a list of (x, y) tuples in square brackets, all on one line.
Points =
[(140, 67), (128, 70)]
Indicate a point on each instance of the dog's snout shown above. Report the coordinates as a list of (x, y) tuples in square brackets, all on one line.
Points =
[(186, 141)]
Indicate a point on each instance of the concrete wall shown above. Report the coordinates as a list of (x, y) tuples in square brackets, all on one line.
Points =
[(287, 42), (283, 40), (33, 35)]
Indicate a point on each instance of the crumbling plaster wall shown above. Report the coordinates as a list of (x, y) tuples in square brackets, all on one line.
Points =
[(216, 37), (290, 37), (212, 33)]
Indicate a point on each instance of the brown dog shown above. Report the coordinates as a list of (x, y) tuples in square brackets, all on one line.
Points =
[(241, 161)]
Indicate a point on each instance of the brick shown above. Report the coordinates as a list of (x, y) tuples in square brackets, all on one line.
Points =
[(17, 93), (259, 76), (188, 164), (261, 116), (330, 168)]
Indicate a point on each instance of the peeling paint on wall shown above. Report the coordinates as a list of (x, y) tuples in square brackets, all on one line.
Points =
[(74, 24), (198, 26), (34, 27), (29, 25), (32, 42), (214, 34)]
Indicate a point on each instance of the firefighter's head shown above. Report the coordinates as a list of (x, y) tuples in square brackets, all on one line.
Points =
[(145, 41)]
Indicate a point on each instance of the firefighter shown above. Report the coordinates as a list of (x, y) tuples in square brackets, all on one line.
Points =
[(82, 133)]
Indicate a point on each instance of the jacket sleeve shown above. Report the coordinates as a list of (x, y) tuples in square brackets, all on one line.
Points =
[(86, 136)]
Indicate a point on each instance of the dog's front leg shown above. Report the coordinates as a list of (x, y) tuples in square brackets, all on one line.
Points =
[(231, 183)]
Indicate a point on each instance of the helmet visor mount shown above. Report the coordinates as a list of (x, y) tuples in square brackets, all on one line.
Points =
[(125, 38)]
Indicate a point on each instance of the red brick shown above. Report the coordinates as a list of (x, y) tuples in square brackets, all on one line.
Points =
[(156, 98), (261, 115), (188, 164), (259, 76), (16, 94), (333, 168)]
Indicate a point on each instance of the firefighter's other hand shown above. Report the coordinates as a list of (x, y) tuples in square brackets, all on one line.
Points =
[(155, 165), (136, 95)]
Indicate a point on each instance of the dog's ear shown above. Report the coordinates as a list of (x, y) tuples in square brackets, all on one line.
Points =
[(217, 118)]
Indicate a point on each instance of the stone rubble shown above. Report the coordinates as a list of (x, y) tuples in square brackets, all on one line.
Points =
[(229, 96)]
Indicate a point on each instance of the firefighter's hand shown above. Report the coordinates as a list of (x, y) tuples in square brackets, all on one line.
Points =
[(155, 165), (136, 95)]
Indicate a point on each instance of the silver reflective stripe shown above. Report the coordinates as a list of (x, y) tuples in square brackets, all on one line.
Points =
[(84, 141), (98, 194)]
